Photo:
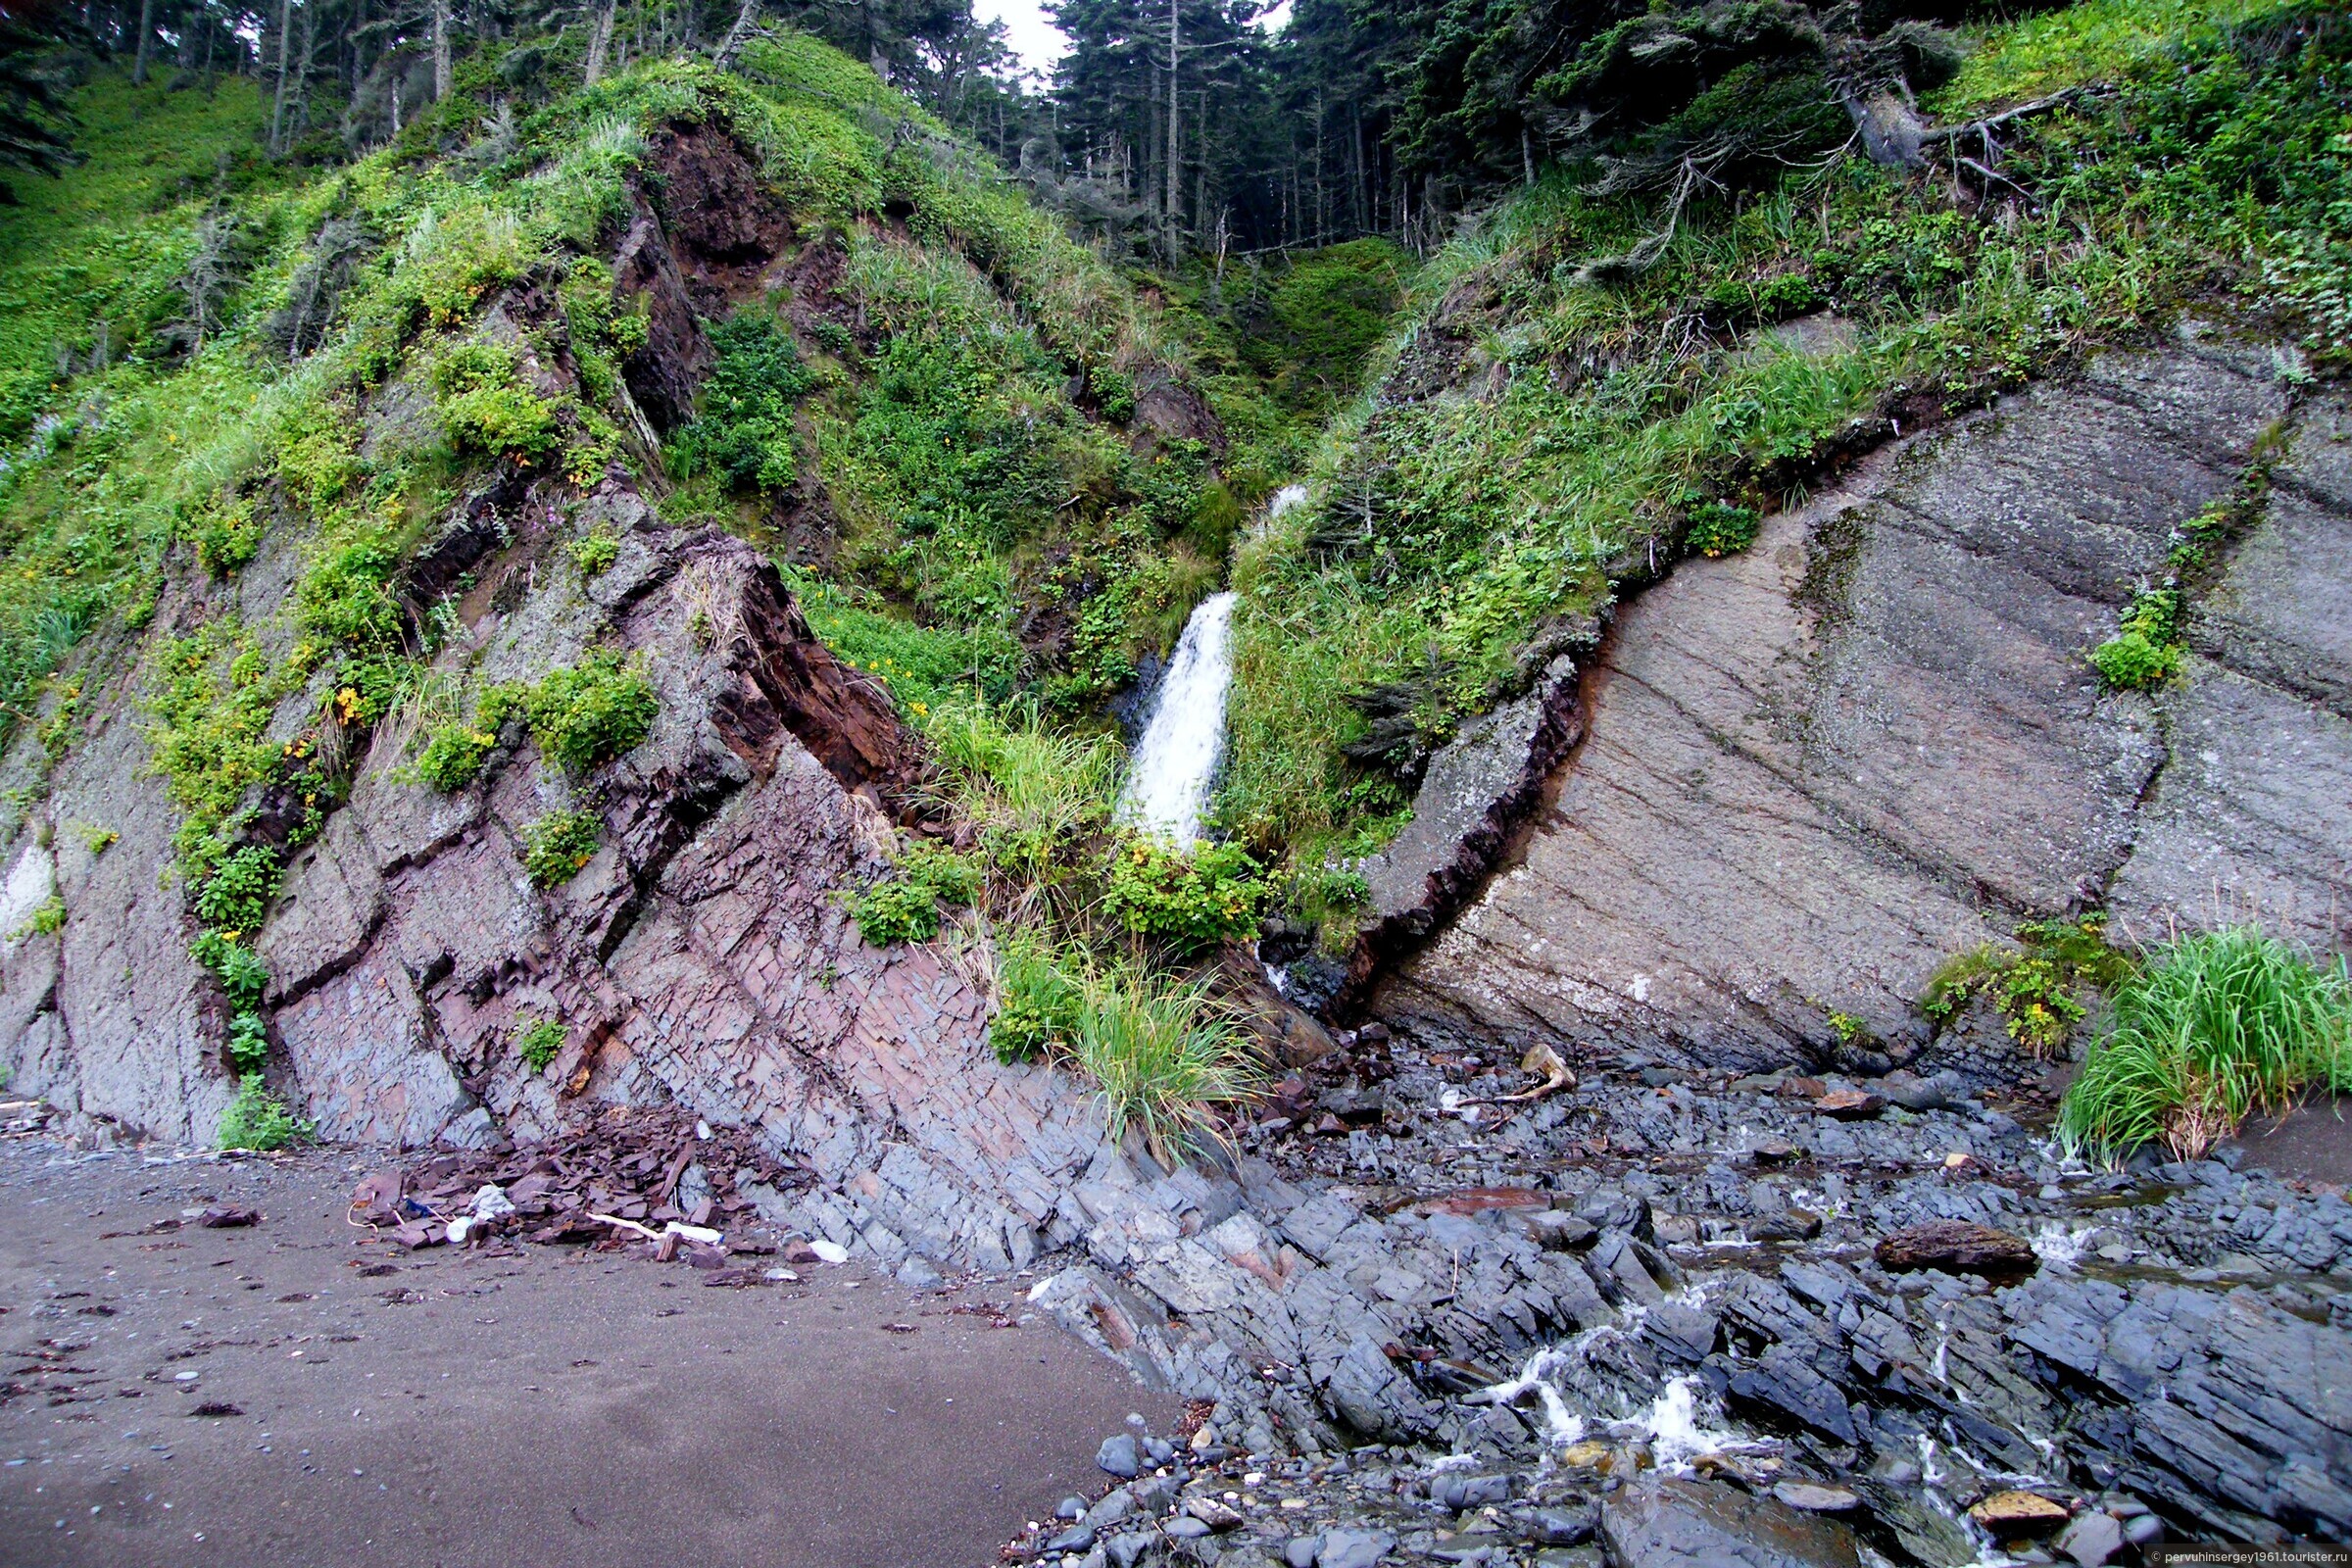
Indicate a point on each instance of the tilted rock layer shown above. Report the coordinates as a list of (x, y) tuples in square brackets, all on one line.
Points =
[(1814, 771)]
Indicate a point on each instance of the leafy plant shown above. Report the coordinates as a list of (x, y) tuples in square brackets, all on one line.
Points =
[(2145, 653), (907, 909), (258, 1120), (1038, 1003), (453, 755), (743, 433), (2034, 986), (889, 914), (47, 920), (1723, 528), (235, 898), (558, 845), (583, 715), (2215, 1028), (248, 1042), (486, 409), (539, 1041), (95, 839), (1193, 898), (239, 969), (594, 552)]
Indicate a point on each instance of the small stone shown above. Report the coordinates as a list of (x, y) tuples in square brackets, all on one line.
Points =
[(1300, 1551), (2145, 1529), (1212, 1513), (830, 1251), (1353, 1548), (1117, 1456), (1183, 1526), (1584, 1455), (2018, 1513), (1807, 1497), (1071, 1509), (1849, 1104), (1075, 1538), (918, 1275), (2092, 1539)]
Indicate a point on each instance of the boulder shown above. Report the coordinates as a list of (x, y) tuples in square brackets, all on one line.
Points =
[(1683, 1524), (1957, 1246)]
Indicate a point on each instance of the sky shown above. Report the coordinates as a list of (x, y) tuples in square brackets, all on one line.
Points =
[(1040, 43)]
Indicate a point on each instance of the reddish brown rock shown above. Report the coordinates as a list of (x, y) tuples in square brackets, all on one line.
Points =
[(1957, 1246)]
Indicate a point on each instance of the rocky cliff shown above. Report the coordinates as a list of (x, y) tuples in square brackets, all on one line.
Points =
[(1814, 771)]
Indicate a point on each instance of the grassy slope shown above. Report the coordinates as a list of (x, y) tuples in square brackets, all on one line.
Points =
[(1577, 423)]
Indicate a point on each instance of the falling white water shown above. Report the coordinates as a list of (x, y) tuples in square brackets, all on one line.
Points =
[(1176, 760)]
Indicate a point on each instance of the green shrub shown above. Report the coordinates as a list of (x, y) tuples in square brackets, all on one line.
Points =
[(258, 1120), (558, 845), (1191, 898), (907, 909), (47, 920), (2215, 1028), (1033, 791), (2146, 651), (1038, 1003), (743, 433), (453, 755), (239, 969), (227, 535), (2130, 662), (2034, 986), (892, 912), (248, 1043), (1114, 393), (487, 409), (1161, 1055), (235, 897), (539, 1041), (595, 553), (1723, 528), (586, 714)]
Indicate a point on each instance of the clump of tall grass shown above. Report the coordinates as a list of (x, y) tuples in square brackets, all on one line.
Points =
[(1029, 787), (1161, 1053), (2216, 1027)]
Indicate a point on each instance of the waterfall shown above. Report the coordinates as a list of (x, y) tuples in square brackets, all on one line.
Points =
[(1176, 760)]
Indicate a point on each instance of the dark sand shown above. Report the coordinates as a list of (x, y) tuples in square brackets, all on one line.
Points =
[(551, 1410)]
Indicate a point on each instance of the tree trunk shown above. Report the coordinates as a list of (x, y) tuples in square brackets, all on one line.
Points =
[(441, 71), (138, 70), (737, 36), (285, 47), (1172, 218), (600, 44)]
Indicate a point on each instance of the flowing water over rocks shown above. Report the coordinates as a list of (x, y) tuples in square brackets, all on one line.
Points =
[(1175, 764)]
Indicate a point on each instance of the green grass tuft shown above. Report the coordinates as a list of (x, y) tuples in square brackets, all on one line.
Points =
[(2215, 1028), (258, 1120), (1161, 1054)]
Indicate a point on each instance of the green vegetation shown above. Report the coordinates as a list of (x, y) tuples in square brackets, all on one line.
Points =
[(487, 409), (1162, 1054), (558, 845), (907, 908), (1038, 1003), (2215, 1028), (582, 715), (2036, 986), (453, 755), (744, 434), (540, 1041), (2147, 650), (258, 1120), (1193, 898), (594, 552), (47, 920)]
